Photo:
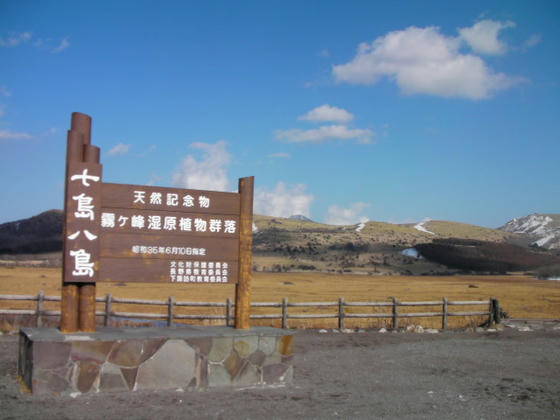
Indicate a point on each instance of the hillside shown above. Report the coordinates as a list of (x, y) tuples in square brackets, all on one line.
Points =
[(299, 244), (281, 244), (543, 230), (38, 234)]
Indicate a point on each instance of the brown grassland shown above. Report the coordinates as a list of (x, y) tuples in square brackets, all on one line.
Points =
[(520, 296)]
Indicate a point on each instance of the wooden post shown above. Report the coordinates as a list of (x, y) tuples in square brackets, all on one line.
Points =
[(40, 299), (243, 287), (228, 312), (341, 313), (170, 311), (87, 307), (69, 308), (444, 316), (77, 299), (395, 313), (284, 312), (108, 309), (69, 298), (87, 291), (497, 311)]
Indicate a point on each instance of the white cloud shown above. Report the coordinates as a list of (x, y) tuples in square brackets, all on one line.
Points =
[(10, 135), (208, 173), (119, 149), (482, 37), (15, 39), (2, 108), (423, 61), (337, 215), (62, 46), (4, 91), (324, 133), (148, 151), (532, 41), (283, 201), (324, 53), (327, 113), (280, 155)]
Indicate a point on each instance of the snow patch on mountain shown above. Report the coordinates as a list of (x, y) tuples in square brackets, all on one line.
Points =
[(420, 226), (544, 228), (360, 227)]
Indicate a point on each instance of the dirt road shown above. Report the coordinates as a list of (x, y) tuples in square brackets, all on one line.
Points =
[(485, 375)]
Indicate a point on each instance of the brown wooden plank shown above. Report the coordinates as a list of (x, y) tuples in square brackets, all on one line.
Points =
[(128, 245), (243, 287), (82, 216), (114, 220), (139, 197), (179, 270)]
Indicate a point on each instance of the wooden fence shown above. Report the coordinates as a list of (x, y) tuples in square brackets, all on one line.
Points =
[(492, 309)]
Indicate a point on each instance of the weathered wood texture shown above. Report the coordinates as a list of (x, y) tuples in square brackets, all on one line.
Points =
[(284, 315), (243, 288)]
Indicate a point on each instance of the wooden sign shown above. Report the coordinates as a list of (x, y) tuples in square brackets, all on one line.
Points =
[(141, 233)]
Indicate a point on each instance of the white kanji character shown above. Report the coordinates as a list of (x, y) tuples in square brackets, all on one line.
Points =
[(108, 220), (90, 236), (185, 224), (85, 208), (139, 197), (137, 221), (172, 199), (204, 201), (154, 222), (188, 201), (136, 249), (82, 266), (200, 225), (215, 225), (155, 198), (229, 226), (170, 223), (122, 220), (85, 177)]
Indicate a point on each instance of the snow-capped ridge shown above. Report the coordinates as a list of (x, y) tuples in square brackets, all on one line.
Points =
[(543, 227)]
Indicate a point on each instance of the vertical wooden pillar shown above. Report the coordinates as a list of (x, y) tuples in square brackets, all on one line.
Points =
[(87, 291), (77, 299), (243, 287), (69, 301)]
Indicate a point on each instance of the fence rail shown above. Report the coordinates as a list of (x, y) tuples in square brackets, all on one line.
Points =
[(493, 309)]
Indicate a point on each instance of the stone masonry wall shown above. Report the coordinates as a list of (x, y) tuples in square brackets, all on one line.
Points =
[(98, 364)]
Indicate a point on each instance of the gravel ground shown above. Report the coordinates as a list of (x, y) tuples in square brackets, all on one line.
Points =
[(514, 373)]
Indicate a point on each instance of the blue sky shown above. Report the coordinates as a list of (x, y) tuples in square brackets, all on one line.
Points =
[(343, 111)]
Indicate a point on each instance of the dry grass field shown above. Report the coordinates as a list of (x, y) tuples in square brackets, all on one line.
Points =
[(520, 296)]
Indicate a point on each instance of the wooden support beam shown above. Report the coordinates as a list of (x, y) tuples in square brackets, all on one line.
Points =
[(243, 287)]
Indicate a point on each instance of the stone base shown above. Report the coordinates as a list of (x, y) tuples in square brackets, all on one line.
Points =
[(119, 359)]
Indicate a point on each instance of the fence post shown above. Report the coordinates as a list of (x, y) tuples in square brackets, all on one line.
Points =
[(284, 312), (341, 313), (108, 309), (491, 310), (170, 309), (395, 313), (497, 311), (444, 316), (228, 312), (40, 298)]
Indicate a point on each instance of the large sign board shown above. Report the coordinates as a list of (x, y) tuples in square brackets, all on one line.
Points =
[(138, 233)]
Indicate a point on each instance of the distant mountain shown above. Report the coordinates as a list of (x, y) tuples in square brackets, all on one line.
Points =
[(38, 234), (300, 217), (543, 229), (299, 244)]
